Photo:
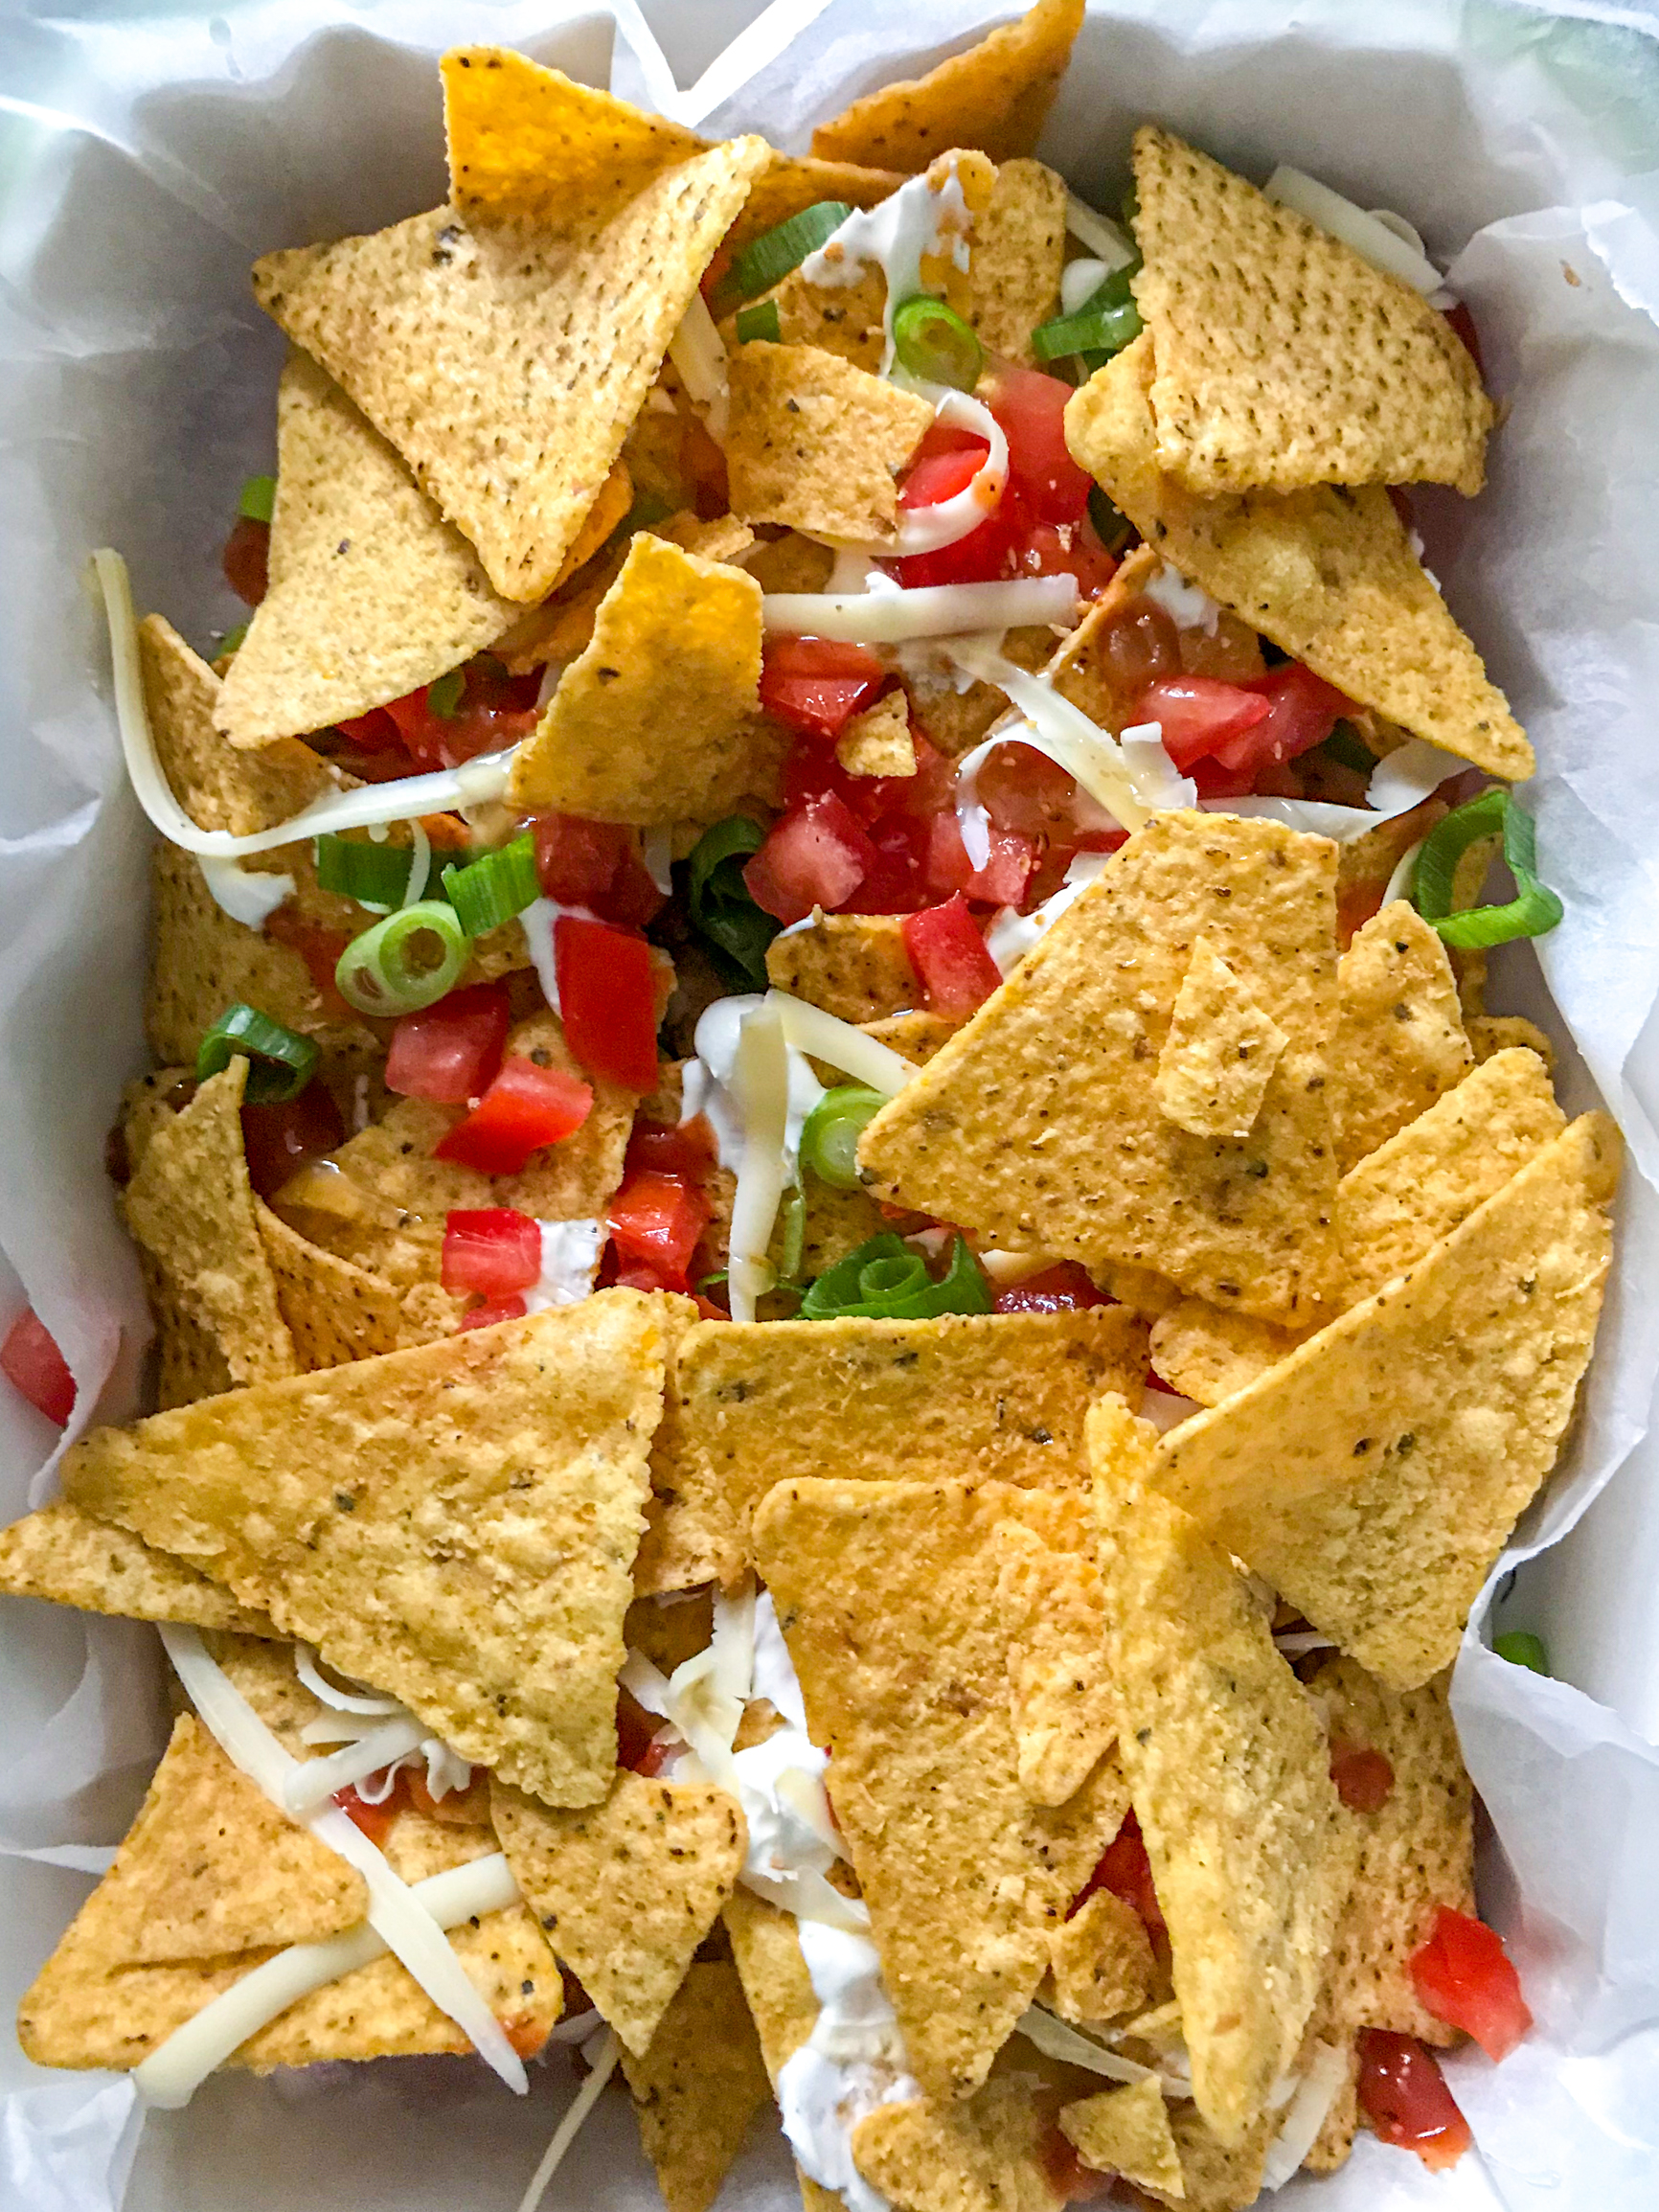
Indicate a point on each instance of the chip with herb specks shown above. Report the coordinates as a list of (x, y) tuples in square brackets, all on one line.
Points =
[(1127, 2131), (1401, 1041), (64, 1555), (699, 2085), (854, 966), (816, 442)]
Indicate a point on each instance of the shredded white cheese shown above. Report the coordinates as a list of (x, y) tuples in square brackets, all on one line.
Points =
[(604, 2060), (933, 610), (699, 353), (246, 894), (1379, 238), (1055, 2041), (314, 1781), (930, 529), (1103, 237), (761, 1086), (1311, 2099), (810, 1030)]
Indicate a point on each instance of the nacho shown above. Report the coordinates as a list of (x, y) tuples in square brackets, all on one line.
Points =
[(1127, 2131), (1060, 1700), (332, 1309), (854, 966), (877, 743), (791, 182), (1220, 1053), (1019, 248), (986, 2155), (817, 444), (1401, 1040), (64, 1555), (1101, 1962), (218, 787), (699, 2085)]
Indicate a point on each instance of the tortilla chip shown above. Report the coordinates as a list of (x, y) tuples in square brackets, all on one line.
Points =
[(444, 1523), (674, 1553), (877, 743), (191, 1205), (658, 721), (64, 1555), (333, 1310), (854, 966), (1019, 248), (1252, 1853), (886, 1592), (671, 1628), (792, 182), (1373, 1477), (188, 1363), (1127, 2131), (816, 444), (1102, 1962), (1283, 357), (1401, 1040), (218, 787), (1491, 1034), (1328, 574), (914, 1035), (1060, 1700), (1219, 1053), (986, 2154), (982, 1397), (995, 97), (1206, 1354), (503, 357), (372, 593), (1002, 1130), (698, 2087), (625, 1893), (776, 1983), (1218, 2176), (955, 721)]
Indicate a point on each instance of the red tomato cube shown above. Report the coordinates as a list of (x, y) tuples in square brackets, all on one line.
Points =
[(1465, 1977), (525, 1108), (450, 1053), (815, 856), (493, 1249), (1405, 2096), (36, 1369), (608, 1000), (817, 684), (948, 953)]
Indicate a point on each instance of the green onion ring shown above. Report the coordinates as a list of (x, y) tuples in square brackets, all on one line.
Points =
[(280, 1063), (933, 342), (381, 972), (829, 1137), (1534, 910), (759, 321), (884, 1280), (489, 891)]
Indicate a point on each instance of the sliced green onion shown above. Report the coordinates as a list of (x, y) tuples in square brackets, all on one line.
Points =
[(829, 1137), (760, 321), (404, 962), (1535, 910), (1522, 1649), (444, 696), (1112, 526), (373, 875), (280, 1063), (768, 259), (794, 1241), (885, 1280), (1101, 327), (1346, 747), (721, 911), (258, 497), (231, 640), (649, 507), (487, 893), (933, 342)]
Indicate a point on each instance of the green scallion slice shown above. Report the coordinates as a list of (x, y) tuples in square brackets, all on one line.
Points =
[(760, 321), (1534, 910), (829, 1137), (884, 1280), (258, 498), (280, 1063), (722, 912), (794, 1243), (1522, 1649), (933, 342), (444, 696), (231, 642), (373, 875), (1103, 331), (768, 259), (404, 962), (487, 893)]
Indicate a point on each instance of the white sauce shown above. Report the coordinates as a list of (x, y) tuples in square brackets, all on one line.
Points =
[(910, 223), (1186, 606), (1013, 934), (245, 895), (538, 919), (706, 1084), (853, 2061), (570, 1256)]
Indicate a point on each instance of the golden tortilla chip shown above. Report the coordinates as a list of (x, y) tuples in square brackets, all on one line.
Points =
[(188, 1363), (776, 1982), (372, 593), (658, 721), (217, 787), (1373, 1477), (995, 97), (191, 1205), (64, 1555), (1491, 1034), (912, 1036), (1283, 357), (886, 1593), (1083, 666), (674, 1553), (1002, 1131), (1219, 1053), (1218, 2176), (1328, 574), (854, 966), (1252, 1853), (698, 2087), (792, 182), (817, 444), (455, 1524), (877, 743), (504, 357), (1019, 248), (955, 721), (1127, 2131), (626, 1891), (1401, 1040), (333, 1310), (987, 1397), (1204, 1353), (1059, 1698), (986, 2155), (1101, 1960)]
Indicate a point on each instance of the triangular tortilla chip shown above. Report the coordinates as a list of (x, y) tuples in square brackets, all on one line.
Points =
[(995, 97), (1328, 574), (454, 1524), (506, 359), (1373, 1477), (988, 1396), (1401, 1040), (878, 742), (334, 1311), (817, 444), (985, 2154), (1127, 2131), (698, 2087), (659, 720), (1283, 357), (1251, 1851), (372, 593), (1019, 248), (191, 1205), (626, 1892), (854, 966), (1219, 1053), (1490, 1034), (1060, 1700), (791, 182), (217, 787), (1039, 1123), (886, 1592), (1101, 1962), (63, 1555)]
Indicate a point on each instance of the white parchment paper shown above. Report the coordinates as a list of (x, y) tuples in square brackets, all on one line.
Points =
[(144, 160)]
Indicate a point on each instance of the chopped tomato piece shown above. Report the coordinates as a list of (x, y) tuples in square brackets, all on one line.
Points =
[(1364, 1778), (597, 865), (318, 947), (1064, 1288), (450, 1053), (945, 462), (1356, 904), (1001, 880), (811, 771), (1197, 715), (1465, 1977), (816, 856), (493, 1249), (636, 1747), (689, 1150), (948, 953), (608, 1000), (1403, 2095), (817, 684), (1063, 549), (374, 732), (287, 1135), (526, 1107), (247, 552), (33, 1364), (492, 1310), (1031, 409), (657, 1218), (1071, 2180), (981, 557), (1124, 1869), (1301, 711), (494, 711), (895, 881), (374, 1820)]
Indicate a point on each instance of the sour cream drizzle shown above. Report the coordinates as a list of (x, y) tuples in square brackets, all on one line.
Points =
[(918, 220)]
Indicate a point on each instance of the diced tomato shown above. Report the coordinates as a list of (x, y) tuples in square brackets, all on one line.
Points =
[(935, 477), (495, 711), (983, 556), (948, 953), (1197, 715), (816, 856), (318, 947), (246, 554), (33, 1364), (1364, 1778), (636, 1731), (1356, 904), (1403, 2094), (283, 1137), (1063, 549), (657, 1218), (450, 1053), (1465, 1977), (1031, 409), (493, 1249), (489, 1310), (1137, 645), (1071, 2180), (811, 770), (895, 881), (1464, 324), (689, 1150), (817, 684), (525, 1108), (1064, 1288), (597, 865), (374, 1820), (1124, 1869), (608, 1000), (1001, 880), (375, 732), (1301, 711)]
